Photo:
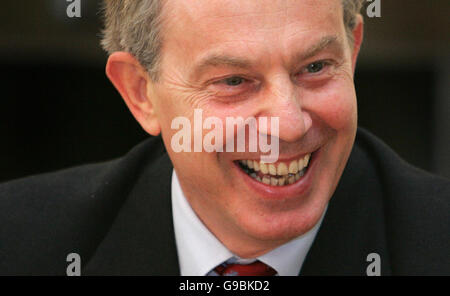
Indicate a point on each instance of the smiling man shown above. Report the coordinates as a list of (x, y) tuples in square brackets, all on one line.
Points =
[(334, 197)]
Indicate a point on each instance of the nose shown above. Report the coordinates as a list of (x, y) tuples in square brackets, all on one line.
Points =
[(281, 98)]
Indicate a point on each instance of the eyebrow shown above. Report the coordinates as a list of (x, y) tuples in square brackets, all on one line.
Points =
[(216, 60), (223, 60), (325, 42)]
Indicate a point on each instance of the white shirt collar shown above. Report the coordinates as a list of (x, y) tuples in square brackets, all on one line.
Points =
[(199, 251)]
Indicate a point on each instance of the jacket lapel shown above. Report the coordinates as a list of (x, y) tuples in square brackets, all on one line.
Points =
[(141, 239)]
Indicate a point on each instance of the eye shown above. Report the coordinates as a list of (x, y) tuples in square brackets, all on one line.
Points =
[(232, 86), (315, 67), (317, 71), (233, 81)]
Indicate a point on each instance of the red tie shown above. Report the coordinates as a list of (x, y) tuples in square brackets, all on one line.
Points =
[(256, 268)]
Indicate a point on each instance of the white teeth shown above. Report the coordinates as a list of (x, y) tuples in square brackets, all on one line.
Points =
[(279, 181), (306, 160), (272, 170), (256, 165), (300, 164), (282, 169), (263, 168), (303, 162), (293, 167), (277, 174), (273, 181)]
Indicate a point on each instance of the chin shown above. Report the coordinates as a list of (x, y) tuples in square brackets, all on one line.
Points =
[(286, 225)]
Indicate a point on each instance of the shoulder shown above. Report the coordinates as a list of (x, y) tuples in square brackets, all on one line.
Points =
[(400, 178), (416, 209), (54, 214)]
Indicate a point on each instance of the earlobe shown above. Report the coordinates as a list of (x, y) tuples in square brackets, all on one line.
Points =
[(131, 80), (358, 33)]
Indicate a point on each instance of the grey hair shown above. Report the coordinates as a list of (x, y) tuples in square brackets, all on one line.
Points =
[(351, 10), (134, 26)]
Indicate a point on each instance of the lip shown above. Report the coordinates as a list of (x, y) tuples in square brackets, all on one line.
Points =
[(294, 190)]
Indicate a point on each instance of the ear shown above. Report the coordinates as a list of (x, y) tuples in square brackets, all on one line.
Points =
[(132, 80), (358, 33)]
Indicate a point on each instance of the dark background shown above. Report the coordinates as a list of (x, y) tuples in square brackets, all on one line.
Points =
[(58, 109)]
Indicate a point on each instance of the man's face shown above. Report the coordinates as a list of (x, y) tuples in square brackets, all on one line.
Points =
[(266, 58)]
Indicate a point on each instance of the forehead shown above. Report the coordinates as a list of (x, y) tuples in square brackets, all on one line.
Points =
[(277, 11), (193, 27)]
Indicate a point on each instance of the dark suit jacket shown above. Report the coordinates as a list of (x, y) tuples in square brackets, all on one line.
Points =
[(117, 216)]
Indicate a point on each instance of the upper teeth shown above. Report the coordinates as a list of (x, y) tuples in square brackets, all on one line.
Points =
[(280, 168)]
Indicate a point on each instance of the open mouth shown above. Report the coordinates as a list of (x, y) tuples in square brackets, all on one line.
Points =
[(276, 174)]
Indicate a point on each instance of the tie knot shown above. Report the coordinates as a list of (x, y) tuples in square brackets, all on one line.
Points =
[(256, 268)]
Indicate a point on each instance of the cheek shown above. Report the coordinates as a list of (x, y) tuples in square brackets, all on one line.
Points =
[(168, 106), (336, 106)]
